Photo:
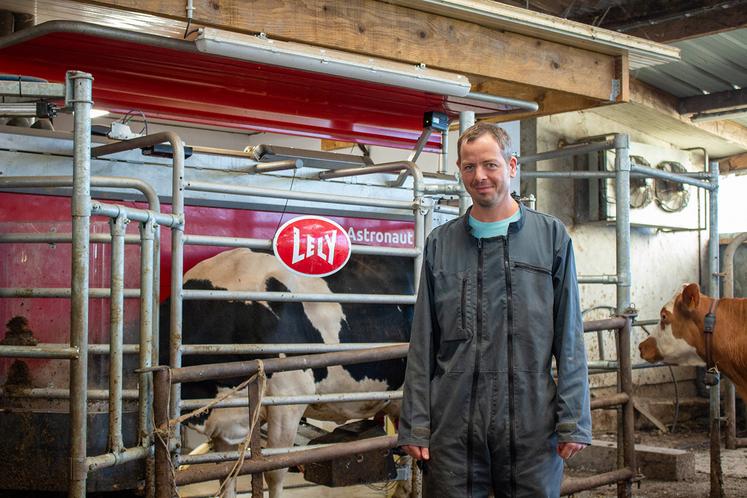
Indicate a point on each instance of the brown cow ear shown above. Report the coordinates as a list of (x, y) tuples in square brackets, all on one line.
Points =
[(691, 297)]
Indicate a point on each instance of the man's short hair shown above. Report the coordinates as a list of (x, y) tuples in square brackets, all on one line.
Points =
[(484, 128)]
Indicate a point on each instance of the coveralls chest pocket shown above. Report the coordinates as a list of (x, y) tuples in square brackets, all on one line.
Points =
[(532, 298), (453, 296)]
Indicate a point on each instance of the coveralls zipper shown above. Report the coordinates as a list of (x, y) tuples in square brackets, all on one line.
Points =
[(476, 373), (510, 351)]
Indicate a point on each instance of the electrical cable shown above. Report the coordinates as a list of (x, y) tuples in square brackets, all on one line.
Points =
[(187, 32), (130, 114), (285, 207)]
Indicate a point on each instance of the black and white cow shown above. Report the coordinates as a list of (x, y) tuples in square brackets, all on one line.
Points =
[(234, 322)]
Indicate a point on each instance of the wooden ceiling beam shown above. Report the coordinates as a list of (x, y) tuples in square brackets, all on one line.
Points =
[(680, 24), (550, 101), (733, 164), (713, 102), (382, 29)]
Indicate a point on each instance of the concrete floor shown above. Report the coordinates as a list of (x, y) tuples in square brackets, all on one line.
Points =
[(295, 487)]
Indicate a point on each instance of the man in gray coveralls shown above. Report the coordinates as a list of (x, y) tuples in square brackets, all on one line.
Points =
[(498, 300)]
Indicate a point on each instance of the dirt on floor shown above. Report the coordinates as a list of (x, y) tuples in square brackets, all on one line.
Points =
[(691, 437)]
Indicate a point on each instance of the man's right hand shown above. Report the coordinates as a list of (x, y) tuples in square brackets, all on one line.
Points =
[(417, 452)]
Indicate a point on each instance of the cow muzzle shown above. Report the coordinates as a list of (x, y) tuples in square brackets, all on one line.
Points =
[(649, 351)]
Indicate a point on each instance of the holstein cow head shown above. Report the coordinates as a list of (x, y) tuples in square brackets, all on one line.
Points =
[(680, 338)]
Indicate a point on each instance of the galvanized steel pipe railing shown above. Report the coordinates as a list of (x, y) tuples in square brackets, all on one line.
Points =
[(416, 253), (266, 245), (202, 186), (164, 378), (626, 411), (571, 150), (466, 119), (443, 157), (59, 238), (117, 294), (134, 214), (673, 177), (729, 252), (717, 479), (58, 393), (117, 458), (291, 297), (597, 279), (609, 401), (116, 332), (581, 175), (271, 365), (225, 456), (572, 486), (151, 197), (48, 351), (240, 401), (148, 284), (79, 290), (177, 235), (416, 205), (524, 105), (606, 324), (621, 144), (291, 348), (331, 452), (622, 221), (82, 104), (53, 292)]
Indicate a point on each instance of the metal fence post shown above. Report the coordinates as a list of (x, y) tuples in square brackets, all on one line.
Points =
[(81, 217), (161, 392)]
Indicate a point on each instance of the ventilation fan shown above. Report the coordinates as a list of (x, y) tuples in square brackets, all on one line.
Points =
[(641, 189), (671, 196)]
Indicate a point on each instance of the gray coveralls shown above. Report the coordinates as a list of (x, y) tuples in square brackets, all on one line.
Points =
[(479, 391)]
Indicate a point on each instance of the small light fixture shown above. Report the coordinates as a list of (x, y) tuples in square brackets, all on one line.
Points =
[(736, 113), (332, 62)]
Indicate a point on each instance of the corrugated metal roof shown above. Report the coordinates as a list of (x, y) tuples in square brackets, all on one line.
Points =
[(710, 64)]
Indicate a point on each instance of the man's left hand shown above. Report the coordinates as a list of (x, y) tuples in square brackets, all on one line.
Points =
[(567, 450)]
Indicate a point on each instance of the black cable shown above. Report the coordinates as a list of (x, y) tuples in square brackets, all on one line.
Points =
[(187, 32), (129, 115), (280, 221)]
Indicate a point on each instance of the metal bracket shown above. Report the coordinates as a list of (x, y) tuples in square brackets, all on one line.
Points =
[(614, 90), (425, 205), (712, 377)]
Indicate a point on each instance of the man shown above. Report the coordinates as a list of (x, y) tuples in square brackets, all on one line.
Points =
[(498, 300)]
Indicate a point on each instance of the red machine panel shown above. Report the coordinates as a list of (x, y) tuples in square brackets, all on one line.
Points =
[(185, 85), (48, 265)]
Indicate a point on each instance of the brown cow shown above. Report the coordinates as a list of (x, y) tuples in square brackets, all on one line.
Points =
[(679, 338)]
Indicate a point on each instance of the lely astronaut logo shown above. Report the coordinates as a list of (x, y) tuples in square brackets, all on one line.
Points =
[(312, 246)]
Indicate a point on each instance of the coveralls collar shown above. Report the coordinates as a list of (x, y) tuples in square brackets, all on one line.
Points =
[(512, 228)]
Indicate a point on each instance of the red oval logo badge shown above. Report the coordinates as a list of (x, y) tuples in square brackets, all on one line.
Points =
[(312, 245)]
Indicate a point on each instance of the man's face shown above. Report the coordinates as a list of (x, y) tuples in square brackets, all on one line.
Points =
[(485, 173)]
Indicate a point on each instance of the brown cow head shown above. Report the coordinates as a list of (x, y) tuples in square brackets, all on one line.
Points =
[(672, 340)]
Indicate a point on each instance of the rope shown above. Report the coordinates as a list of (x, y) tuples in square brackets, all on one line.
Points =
[(165, 434), (254, 419)]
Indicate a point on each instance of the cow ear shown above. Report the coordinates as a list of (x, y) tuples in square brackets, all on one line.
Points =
[(691, 296)]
